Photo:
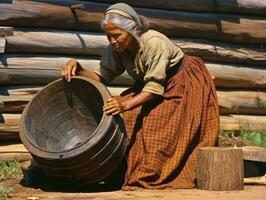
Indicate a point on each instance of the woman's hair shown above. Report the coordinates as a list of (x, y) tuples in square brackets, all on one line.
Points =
[(126, 24)]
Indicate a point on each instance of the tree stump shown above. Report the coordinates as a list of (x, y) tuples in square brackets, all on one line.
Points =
[(220, 169)]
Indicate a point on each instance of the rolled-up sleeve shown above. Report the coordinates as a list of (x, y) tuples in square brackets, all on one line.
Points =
[(110, 65), (156, 62)]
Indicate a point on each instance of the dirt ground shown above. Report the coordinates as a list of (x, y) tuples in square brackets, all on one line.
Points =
[(42, 192), (249, 193), (21, 192)]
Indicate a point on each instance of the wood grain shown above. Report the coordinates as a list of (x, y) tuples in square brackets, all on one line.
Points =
[(220, 169), (233, 28), (42, 69), (90, 43)]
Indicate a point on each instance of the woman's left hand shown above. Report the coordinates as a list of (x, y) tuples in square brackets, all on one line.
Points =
[(113, 107)]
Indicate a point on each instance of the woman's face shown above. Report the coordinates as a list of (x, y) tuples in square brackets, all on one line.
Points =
[(118, 38)]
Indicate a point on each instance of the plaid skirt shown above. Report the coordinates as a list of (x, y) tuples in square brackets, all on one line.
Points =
[(164, 134)]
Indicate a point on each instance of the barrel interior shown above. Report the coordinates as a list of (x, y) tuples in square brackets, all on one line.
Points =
[(64, 115)]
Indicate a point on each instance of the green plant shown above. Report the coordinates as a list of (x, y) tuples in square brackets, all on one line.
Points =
[(258, 138), (4, 192), (9, 169), (255, 137)]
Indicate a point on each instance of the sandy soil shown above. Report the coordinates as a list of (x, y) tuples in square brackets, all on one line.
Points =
[(43, 192), (28, 193)]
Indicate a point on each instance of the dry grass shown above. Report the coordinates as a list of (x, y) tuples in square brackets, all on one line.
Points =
[(8, 170)]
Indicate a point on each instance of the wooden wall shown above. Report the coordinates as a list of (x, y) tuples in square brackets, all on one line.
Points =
[(229, 36)]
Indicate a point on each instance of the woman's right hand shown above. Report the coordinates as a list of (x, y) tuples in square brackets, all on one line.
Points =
[(70, 69)]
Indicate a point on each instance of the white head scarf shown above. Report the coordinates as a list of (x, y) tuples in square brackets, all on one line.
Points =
[(125, 17)]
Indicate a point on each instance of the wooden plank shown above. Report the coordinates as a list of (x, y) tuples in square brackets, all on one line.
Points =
[(254, 153), (19, 90), (42, 69), (15, 103), (233, 28), (6, 31), (14, 152), (9, 136), (11, 147), (242, 122), (255, 181), (9, 127), (88, 43), (237, 76), (2, 44), (9, 123), (56, 42), (230, 101), (21, 157), (38, 69), (242, 102), (213, 51), (254, 7)]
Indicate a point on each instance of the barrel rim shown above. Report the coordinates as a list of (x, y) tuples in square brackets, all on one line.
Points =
[(39, 152)]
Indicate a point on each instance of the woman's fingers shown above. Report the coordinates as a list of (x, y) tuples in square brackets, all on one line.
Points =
[(69, 69), (109, 107), (112, 111), (110, 100), (73, 71), (111, 103), (112, 106)]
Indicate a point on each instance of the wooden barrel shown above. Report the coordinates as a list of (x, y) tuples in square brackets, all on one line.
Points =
[(68, 134)]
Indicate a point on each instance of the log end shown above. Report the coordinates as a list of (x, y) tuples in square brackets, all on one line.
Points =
[(220, 169)]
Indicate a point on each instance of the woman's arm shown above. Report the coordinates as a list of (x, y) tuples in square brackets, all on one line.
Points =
[(73, 67), (113, 106), (91, 74)]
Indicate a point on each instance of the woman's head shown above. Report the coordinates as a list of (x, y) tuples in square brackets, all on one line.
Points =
[(123, 25), (118, 38)]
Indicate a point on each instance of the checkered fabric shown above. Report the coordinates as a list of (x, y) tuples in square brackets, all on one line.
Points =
[(165, 133)]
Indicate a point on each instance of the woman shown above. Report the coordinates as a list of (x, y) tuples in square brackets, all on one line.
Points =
[(169, 113)]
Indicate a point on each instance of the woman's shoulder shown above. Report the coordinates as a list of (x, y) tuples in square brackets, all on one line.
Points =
[(154, 40), (152, 34)]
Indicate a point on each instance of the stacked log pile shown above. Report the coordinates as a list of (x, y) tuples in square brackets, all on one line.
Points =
[(230, 37)]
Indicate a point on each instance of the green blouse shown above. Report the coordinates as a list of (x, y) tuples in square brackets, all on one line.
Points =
[(156, 55)]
